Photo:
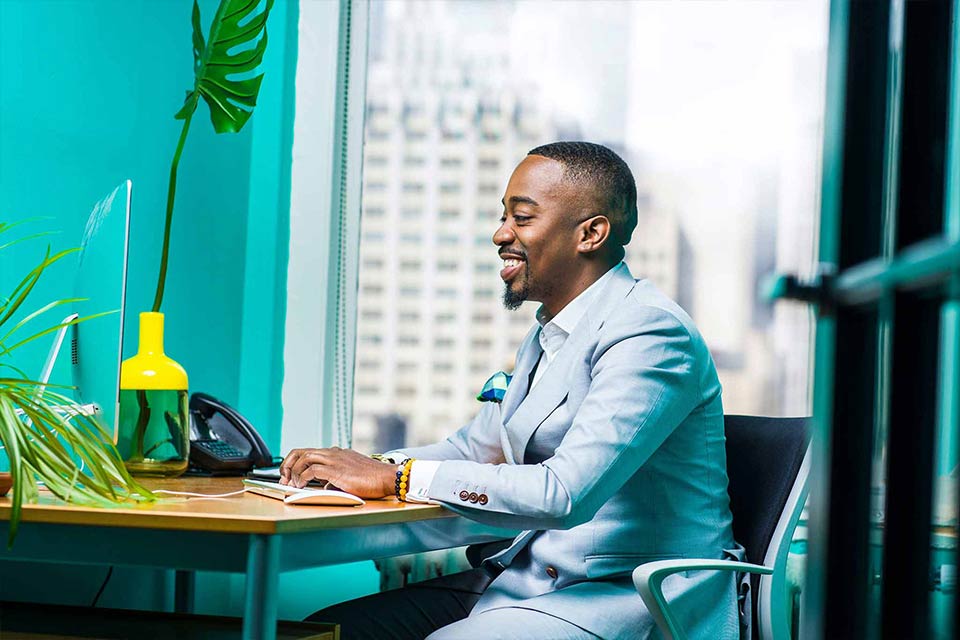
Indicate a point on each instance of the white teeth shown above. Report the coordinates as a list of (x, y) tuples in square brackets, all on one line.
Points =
[(510, 263)]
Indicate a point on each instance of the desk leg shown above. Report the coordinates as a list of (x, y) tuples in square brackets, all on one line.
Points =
[(183, 589), (260, 601)]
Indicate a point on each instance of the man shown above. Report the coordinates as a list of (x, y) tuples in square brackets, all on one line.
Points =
[(607, 448)]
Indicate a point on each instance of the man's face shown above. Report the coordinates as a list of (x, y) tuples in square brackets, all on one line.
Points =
[(537, 234)]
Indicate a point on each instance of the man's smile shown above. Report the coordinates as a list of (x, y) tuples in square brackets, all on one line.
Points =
[(512, 264)]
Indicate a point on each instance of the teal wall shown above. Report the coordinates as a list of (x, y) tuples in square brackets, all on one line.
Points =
[(87, 97), (88, 90)]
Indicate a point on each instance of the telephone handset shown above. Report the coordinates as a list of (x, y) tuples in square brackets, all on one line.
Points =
[(223, 441)]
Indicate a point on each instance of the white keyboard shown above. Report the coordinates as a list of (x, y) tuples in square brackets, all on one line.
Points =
[(307, 496)]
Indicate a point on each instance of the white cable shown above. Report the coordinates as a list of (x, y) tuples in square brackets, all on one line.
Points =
[(200, 495)]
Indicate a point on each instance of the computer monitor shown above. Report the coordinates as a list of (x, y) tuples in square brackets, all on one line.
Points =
[(101, 278)]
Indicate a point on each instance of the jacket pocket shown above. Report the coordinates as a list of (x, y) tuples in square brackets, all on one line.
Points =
[(611, 564)]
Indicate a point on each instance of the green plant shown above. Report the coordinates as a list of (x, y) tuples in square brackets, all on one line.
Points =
[(231, 100), (45, 434), (237, 26)]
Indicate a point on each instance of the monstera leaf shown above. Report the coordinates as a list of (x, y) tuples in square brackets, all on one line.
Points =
[(236, 24), (231, 102)]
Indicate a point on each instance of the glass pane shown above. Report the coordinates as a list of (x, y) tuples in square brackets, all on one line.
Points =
[(946, 480), (717, 109), (926, 75)]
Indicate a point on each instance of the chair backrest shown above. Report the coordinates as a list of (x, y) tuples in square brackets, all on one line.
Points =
[(764, 461)]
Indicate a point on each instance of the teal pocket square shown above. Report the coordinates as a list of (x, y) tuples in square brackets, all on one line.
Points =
[(495, 387)]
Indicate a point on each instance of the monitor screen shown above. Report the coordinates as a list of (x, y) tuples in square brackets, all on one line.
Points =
[(101, 279)]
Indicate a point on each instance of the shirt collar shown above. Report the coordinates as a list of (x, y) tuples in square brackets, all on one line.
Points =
[(570, 315)]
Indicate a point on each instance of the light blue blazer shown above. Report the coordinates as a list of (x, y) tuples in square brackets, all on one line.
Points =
[(615, 458)]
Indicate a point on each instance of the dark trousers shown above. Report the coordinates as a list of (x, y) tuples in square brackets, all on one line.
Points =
[(415, 611)]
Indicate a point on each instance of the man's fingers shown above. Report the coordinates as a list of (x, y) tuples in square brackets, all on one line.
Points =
[(314, 456), (288, 462), (288, 468), (313, 472)]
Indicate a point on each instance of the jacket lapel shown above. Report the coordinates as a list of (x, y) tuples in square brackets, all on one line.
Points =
[(527, 410), (527, 358)]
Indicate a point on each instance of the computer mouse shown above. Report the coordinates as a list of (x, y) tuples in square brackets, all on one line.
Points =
[(324, 497)]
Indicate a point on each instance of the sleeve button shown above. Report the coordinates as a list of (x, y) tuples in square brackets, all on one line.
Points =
[(483, 499), (473, 497), (464, 495), (552, 572)]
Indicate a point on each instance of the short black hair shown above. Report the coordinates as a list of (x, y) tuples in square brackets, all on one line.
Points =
[(607, 173)]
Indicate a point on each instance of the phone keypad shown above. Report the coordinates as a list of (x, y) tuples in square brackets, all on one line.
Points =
[(221, 449)]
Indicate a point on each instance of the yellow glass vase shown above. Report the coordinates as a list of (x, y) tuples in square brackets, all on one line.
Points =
[(153, 434)]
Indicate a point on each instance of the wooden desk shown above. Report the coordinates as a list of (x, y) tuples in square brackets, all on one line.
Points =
[(247, 533)]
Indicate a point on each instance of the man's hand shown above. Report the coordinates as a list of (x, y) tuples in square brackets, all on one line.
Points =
[(344, 468)]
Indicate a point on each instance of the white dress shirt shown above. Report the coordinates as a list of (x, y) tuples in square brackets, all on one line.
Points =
[(553, 335)]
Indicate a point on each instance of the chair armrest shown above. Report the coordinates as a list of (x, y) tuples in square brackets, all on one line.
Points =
[(648, 579)]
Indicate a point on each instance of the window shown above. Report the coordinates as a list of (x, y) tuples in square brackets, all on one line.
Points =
[(447, 265), (410, 265), (690, 129)]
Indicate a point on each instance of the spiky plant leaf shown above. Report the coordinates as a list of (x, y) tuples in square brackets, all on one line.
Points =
[(46, 435), (236, 24)]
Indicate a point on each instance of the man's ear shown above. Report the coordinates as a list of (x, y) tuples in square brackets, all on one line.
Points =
[(593, 234)]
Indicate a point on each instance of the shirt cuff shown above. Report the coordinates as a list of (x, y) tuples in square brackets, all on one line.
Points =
[(421, 475)]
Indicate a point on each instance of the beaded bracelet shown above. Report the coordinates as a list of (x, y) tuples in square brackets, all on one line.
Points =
[(403, 479)]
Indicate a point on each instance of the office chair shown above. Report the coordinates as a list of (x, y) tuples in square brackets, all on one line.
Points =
[(768, 461)]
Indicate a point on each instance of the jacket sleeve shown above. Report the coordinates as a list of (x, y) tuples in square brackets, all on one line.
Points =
[(644, 382), (478, 440)]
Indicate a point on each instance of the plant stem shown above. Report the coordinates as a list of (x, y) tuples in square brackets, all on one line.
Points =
[(143, 419), (171, 195)]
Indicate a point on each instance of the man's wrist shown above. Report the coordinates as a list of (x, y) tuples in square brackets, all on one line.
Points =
[(388, 478)]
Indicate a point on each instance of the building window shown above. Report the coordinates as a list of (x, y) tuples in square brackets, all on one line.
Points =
[(450, 187), (682, 244)]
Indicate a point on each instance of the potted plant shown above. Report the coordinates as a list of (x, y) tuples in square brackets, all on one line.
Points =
[(47, 437), (154, 417)]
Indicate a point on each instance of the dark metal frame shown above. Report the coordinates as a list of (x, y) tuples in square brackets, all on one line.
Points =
[(888, 331)]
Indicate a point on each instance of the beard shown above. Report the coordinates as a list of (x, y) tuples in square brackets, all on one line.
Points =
[(513, 299)]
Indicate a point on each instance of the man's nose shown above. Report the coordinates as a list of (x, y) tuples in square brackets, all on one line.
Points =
[(503, 235)]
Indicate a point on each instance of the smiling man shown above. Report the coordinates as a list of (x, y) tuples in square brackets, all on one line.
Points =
[(607, 448)]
